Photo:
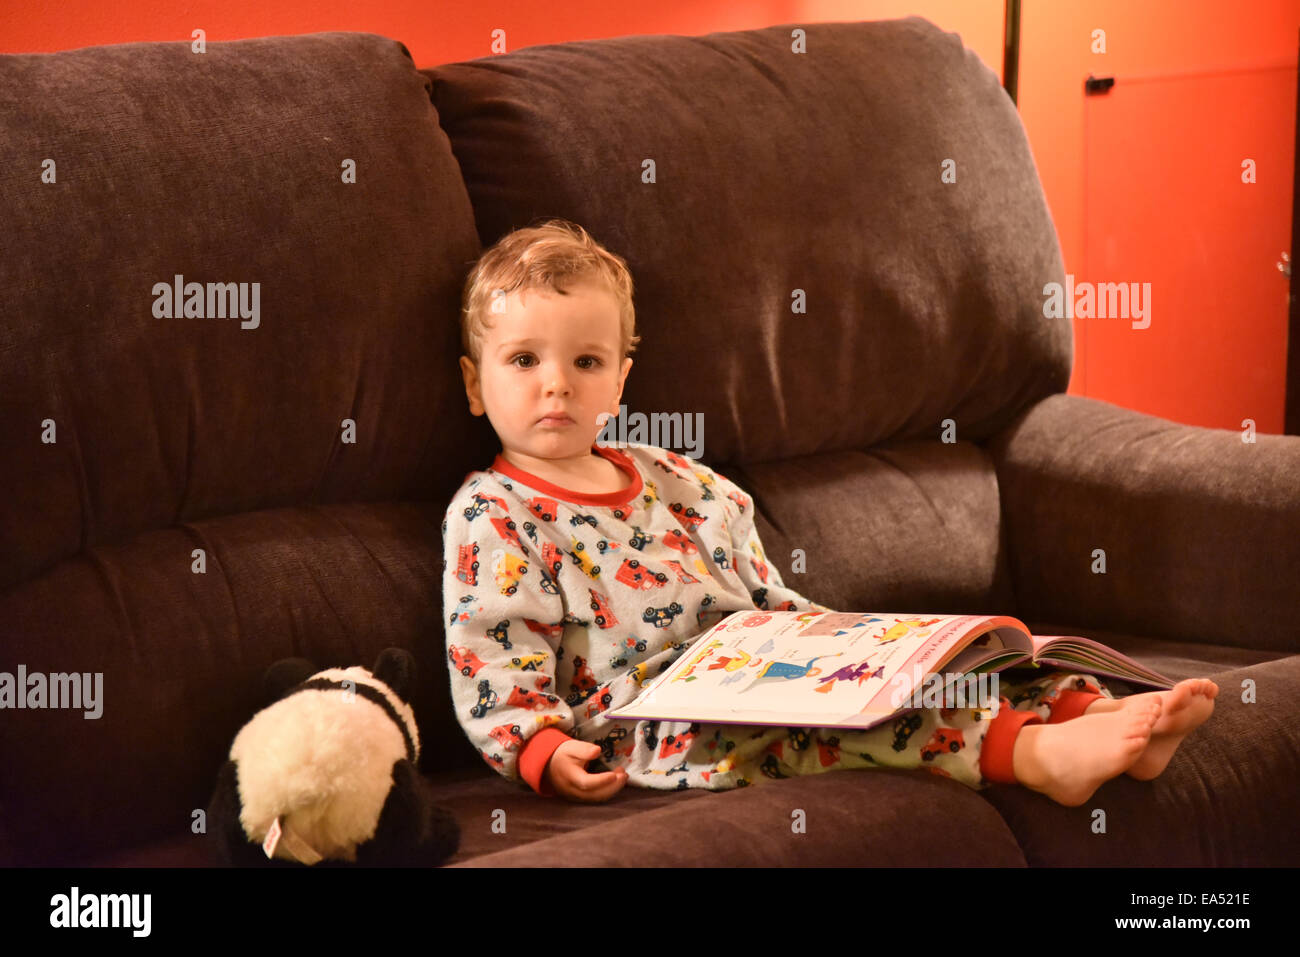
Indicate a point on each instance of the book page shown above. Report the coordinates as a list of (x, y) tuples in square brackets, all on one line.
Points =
[(1074, 651), (800, 668)]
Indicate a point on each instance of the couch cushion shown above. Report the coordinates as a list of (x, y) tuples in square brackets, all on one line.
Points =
[(223, 167), (860, 818), (182, 657), (1228, 797), (849, 820), (857, 818), (908, 526), (1199, 531), (778, 176)]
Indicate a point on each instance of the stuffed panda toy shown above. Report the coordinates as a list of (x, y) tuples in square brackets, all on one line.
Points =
[(327, 774)]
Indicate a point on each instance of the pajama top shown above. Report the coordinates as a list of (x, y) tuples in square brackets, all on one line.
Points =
[(561, 604)]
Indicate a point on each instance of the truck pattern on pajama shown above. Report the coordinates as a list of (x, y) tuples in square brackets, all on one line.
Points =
[(561, 604)]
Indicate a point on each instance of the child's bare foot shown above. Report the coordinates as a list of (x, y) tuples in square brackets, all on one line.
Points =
[(1070, 760), (1184, 706)]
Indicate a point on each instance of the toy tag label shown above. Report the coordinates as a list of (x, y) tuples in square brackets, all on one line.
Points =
[(272, 838)]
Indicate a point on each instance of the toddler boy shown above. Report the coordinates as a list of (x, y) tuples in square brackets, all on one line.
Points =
[(576, 572)]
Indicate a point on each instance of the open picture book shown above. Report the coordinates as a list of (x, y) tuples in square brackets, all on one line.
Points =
[(833, 669)]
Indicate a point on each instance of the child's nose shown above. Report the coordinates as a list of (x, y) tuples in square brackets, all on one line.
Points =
[(557, 381)]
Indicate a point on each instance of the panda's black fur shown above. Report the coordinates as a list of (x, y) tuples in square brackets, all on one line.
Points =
[(334, 757)]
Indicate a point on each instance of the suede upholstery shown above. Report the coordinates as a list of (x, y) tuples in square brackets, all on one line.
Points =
[(805, 279)]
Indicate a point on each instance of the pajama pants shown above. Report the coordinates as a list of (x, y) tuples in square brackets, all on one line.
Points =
[(960, 743)]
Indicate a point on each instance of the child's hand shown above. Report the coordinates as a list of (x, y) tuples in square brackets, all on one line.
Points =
[(567, 772)]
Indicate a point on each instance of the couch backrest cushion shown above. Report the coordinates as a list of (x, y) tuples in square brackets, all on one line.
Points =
[(781, 180), (225, 166)]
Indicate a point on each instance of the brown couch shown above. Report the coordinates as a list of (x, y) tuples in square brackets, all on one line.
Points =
[(218, 496)]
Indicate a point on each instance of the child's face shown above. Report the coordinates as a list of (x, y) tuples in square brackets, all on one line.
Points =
[(547, 353)]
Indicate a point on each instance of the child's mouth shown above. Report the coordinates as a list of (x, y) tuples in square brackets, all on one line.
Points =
[(555, 421)]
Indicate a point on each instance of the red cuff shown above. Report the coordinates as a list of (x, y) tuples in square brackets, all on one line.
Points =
[(1000, 742), (536, 753), (1070, 704)]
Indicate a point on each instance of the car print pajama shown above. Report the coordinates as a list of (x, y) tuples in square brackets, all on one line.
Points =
[(560, 605)]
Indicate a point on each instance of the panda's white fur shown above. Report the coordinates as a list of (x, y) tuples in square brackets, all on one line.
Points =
[(321, 760)]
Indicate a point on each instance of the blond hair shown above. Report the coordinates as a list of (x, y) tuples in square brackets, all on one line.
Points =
[(549, 255)]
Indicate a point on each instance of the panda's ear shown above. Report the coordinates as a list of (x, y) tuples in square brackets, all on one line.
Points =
[(285, 674), (395, 667)]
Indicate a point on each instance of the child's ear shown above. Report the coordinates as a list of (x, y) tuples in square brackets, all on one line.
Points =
[(470, 374), (622, 378)]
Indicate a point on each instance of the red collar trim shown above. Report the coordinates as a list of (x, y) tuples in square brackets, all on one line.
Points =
[(606, 499)]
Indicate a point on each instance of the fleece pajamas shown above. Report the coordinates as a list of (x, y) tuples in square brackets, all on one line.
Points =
[(561, 604), (960, 743)]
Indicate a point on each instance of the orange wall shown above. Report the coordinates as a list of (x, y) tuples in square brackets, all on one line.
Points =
[(1216, 354), (1144, 37), (462, 31)]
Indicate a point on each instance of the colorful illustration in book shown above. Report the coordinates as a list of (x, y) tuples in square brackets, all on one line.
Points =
[(700, 655), (787, 671), (900, 630), (857, 672), (835, 624), (733, 662)]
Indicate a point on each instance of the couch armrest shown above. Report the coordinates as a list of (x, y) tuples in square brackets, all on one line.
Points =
[(1200, 530)]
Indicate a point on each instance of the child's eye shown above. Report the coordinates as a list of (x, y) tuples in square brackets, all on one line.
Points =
[(583, 359)]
